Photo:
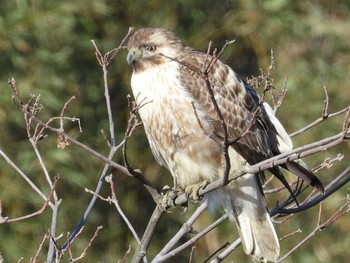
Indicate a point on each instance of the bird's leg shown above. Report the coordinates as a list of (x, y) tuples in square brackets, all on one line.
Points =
[(192, 191)]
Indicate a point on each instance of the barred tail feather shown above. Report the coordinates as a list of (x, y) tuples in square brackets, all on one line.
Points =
[(244, 202), (258, 237)]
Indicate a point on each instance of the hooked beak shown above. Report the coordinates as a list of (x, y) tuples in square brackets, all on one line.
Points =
[(133, 55)]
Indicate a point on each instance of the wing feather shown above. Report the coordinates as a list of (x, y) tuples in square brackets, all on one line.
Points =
[(257, 133), (237, 105)]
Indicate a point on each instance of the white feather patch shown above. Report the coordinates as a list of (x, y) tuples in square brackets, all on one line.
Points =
[(284, 141)]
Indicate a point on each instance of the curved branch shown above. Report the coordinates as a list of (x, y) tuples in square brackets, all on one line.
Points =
[(331, 188), (319, 120)]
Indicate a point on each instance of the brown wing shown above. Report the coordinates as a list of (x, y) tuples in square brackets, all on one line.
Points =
[(236, 101)]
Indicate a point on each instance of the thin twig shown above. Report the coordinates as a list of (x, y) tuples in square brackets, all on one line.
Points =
[(281, 97), (109, 56), (225, 142), (291, 234), (35, 258), (133, 123), (279, 188), (328, 163), (43, 167), (70, 240), (191, 254), (317, 121), (65, 105), (83, 254), (344, 209), (38, 212), (12, 83), (125, 255), (113, 199), (24, 176)]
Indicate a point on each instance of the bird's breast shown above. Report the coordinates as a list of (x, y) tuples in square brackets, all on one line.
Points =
[(172, 128)]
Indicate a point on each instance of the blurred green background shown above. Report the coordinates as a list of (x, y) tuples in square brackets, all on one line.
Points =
[(45, 46)]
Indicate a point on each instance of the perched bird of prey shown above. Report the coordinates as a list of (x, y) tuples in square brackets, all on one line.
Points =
[(184, 130)]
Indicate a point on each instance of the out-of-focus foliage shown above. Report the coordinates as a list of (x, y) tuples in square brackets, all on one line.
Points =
[(46, 46)]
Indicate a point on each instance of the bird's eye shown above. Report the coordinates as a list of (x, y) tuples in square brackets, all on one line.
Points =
[(151, 48)]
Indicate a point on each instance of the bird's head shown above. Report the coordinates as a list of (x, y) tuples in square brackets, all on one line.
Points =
[(149, 47)]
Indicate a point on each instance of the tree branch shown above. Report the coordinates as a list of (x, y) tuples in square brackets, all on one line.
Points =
[(344, 209)]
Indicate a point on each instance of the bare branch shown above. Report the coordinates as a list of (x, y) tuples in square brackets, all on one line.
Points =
[(83, 254), (12, 83), (65, 136), (325, 103), (319, 120), (104, 62), (141, 250), (280, 188), (63, 110), (332, 187), (227, 251), (106, 59), (70, 240), (186, 228), (328, 163), (125, 255), (172, 253), (281, 97), (42, 209), (24, 176), (215, 57), (191, 254), (291, 234), (217, 251), (344, 209), (133, 123), (35, 259), (113, 199)]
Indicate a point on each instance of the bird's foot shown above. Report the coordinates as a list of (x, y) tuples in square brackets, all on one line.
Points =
[(192, 191), (169, 196)]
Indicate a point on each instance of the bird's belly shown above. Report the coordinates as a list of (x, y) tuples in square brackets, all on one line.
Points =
[(176, 138), (174, 133), (182, 146)]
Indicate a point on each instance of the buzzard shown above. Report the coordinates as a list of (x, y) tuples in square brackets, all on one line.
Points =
[(184, 130)]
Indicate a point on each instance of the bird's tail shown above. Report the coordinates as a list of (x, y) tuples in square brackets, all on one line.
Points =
[(243, 201)]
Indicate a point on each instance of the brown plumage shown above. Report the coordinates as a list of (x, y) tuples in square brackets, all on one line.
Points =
[(167, 74)]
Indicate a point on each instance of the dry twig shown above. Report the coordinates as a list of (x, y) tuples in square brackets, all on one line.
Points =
[(40, 211), (344, 209), (83, 254)]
